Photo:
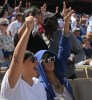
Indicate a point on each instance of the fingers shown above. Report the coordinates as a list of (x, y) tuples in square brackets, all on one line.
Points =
[(29, 18), (29, 23), (64, 8), (57, 9), (68, 15), (64, 5)]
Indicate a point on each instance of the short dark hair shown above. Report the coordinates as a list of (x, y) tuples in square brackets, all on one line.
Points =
[(47, 55), (27, 55), (33, 10), (19, 14)]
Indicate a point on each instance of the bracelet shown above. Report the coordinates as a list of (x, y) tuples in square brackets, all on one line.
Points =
[(66, 34)]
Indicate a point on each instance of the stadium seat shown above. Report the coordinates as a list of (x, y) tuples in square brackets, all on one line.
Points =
[(89, 72), (83, 87), (2, 72), (81, 72), (74, 90)]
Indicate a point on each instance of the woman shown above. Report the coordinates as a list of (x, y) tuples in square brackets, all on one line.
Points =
[(52, 71), (52, 68)]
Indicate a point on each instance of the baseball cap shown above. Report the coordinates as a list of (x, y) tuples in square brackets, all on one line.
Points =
[(75, 29), (50, 14)]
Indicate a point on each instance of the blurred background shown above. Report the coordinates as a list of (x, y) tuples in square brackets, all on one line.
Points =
[(80, 6)]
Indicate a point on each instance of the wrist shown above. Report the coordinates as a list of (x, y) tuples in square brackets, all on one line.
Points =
[(66, 33), (28, 30)]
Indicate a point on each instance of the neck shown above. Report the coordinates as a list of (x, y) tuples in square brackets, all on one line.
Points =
[(27, 80), (52, 77)]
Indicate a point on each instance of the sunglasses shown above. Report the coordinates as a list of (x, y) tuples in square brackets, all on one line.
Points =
[(49, 60), (4, 24), (32, 59)]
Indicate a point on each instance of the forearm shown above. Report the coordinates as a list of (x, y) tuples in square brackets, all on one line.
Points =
[(64, 48), (17, 60), (21, 46), (21, 30), (66, 26)]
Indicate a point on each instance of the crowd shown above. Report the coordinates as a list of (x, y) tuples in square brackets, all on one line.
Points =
[(40, 50)]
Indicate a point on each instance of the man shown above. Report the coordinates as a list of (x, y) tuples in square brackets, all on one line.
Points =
[(20, 80), (15, 25), (36, 41)]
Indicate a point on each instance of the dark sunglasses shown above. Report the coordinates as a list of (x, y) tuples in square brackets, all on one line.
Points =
[(4, 24), (32, 59), (49, 60)]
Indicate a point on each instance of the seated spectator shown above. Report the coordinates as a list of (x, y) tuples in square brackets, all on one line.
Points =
[(76, 32), (6, 43), (86, 46)]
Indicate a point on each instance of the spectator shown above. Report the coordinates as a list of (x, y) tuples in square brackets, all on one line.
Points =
[(52, 68), (6, 43), (36, 41), (76, 32), (52, 38), (86, 46), (15, 26), (20, 80)]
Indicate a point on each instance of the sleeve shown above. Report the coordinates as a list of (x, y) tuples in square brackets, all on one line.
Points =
[(64, 52), (76, 49), (2, 11), (5, 87)]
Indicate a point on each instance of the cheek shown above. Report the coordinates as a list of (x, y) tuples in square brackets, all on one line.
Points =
[(49, 67)]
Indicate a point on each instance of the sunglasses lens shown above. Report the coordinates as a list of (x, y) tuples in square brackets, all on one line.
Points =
[(46, 61), (5, 24), (52, 59)]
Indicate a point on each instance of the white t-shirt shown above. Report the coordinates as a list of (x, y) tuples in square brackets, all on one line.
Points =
[(22, 90), (14, 27)]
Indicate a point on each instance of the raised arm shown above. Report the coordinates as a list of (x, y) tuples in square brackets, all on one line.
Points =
[(15, 68), (64, 45)]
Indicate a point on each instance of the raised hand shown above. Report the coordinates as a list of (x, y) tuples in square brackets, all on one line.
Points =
[(67, 14), (6, 1), (44, 8), (29, 23), (57, 9)]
